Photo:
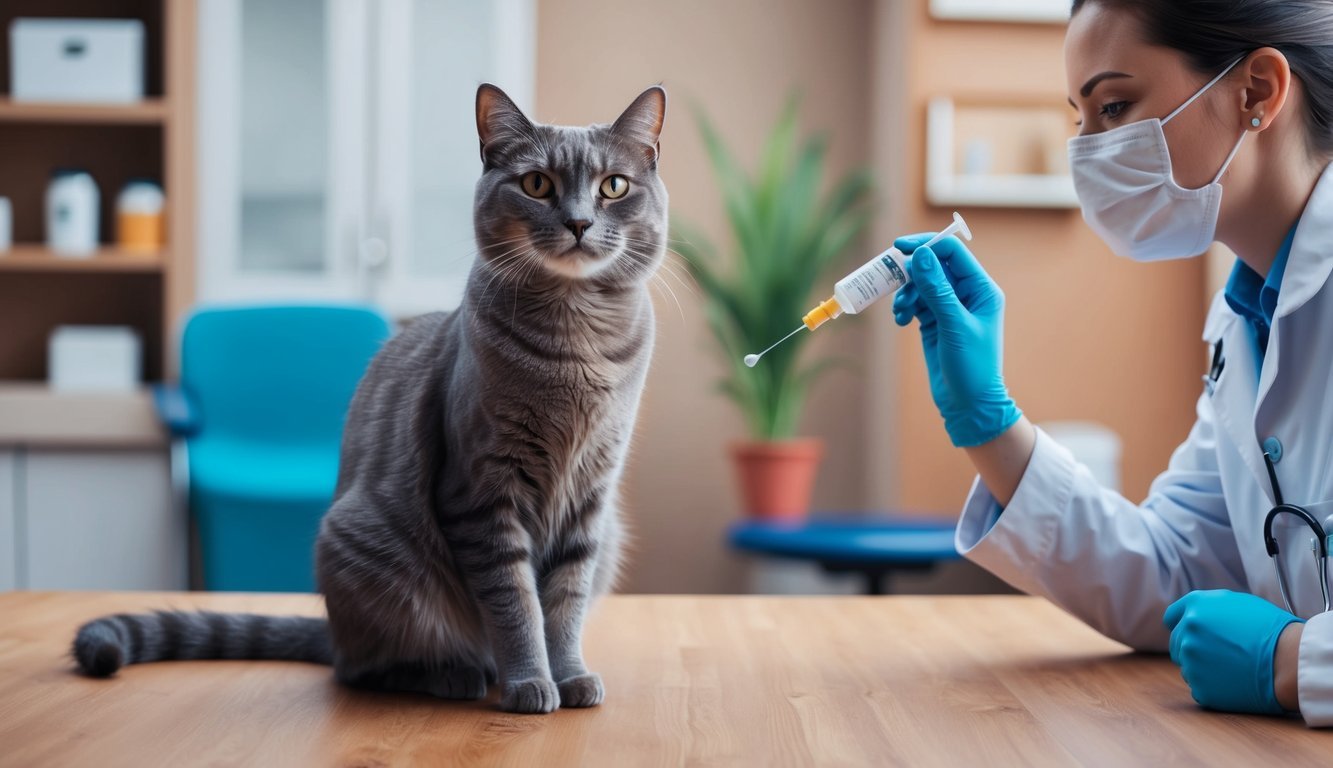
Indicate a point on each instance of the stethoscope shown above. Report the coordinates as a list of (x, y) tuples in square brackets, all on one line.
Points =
[(1318, 544)]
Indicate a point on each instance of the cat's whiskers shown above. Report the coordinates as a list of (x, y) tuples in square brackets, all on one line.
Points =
[(659, 280), (472, 238), (498, 270), (497, 282), (513, 310), (653, 244), (664, 241), (501, 243), (673, 270), (517, 242), (655, 278), (518, 266), (672, 266), (473, 253), (501, 264), (525, 271), (666, 263), (664, 244)]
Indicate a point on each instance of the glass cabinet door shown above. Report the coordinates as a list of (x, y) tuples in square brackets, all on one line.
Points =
[(284, 149), (337, 144), (273, 202), (433, 54)]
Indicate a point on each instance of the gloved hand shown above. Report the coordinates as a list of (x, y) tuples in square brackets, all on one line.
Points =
[(1224, 642), (962, 332)]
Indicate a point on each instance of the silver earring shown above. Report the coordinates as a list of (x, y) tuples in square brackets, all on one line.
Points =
[(1256, 122)]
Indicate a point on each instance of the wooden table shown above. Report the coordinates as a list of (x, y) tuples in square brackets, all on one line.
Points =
[(738, 681)]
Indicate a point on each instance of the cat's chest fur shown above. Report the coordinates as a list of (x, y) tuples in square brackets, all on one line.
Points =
[(559, 388)]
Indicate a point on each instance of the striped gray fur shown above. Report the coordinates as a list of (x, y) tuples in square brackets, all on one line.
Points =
[(475, 517), (103, 645)]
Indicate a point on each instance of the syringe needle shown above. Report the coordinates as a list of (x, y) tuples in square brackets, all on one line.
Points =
[(752, 359)]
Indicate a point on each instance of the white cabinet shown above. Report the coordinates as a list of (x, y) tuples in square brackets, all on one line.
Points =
[(81, 518), (340, 147), (101, 519), (86, 499)]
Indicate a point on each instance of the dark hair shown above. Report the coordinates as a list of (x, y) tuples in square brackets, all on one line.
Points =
[(1214, 33)]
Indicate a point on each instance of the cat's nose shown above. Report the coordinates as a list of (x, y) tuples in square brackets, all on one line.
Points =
[(578, 227)]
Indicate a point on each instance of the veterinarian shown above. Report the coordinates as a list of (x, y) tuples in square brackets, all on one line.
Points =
[(1199, 122)]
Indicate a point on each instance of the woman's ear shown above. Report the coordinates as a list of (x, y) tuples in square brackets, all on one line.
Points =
[(1265, 83)]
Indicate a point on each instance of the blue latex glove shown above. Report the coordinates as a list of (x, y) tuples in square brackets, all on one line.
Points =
[(962, 333), (1224, 643)]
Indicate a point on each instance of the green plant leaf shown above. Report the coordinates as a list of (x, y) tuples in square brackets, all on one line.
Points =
[(786, 238)]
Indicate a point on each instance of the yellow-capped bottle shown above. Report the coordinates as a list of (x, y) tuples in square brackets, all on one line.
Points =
[(140, 217)]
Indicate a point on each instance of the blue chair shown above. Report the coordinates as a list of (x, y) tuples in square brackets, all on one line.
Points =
[(873, 546), (263, 395)]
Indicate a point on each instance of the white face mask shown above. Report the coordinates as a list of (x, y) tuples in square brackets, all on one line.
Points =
[(1124, 183)]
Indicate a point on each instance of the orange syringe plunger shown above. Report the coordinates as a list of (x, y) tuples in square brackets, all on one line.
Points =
[(826, 311)]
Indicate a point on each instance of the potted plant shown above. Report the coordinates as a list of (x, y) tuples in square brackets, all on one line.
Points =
[(786, 234)]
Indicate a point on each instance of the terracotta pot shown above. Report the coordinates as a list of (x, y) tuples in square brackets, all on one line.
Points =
[(776, 478)]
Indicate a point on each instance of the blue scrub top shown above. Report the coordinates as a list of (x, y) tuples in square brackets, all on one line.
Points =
[(1254, 298)]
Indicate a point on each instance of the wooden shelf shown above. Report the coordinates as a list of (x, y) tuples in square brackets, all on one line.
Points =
[(150, 138), (147, 112), (37, 258)]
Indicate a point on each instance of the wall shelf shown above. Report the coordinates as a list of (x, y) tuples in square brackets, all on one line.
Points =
[(148, 112), (946, 187), (115, 142), (38, 258)]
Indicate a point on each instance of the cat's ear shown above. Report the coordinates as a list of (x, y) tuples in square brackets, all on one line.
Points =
[(498, 118), (642, 122)]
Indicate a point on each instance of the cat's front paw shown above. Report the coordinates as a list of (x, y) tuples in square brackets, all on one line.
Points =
[(582, 690), (534, 696)]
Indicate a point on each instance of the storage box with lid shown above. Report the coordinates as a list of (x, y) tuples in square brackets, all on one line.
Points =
[(77, 60)]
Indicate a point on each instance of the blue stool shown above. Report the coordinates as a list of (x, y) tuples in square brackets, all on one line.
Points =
[(873, 546)]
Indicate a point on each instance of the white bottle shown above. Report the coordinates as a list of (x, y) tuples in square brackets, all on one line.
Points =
[(72, 206)]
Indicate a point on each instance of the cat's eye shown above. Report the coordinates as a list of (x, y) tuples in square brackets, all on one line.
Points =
[(536, 184), (614, 187)]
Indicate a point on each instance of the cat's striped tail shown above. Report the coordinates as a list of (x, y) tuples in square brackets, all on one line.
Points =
[(104, 645)]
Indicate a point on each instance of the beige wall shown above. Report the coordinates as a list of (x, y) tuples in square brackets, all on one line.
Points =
[(1083, 326), (737, 60)]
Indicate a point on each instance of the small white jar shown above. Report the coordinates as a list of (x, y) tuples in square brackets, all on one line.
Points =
[(139, 223), (72, 206)]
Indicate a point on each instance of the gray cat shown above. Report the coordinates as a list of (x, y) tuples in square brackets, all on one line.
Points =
[(475, 516)]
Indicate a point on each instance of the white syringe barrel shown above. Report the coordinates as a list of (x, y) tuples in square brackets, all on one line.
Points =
[(886, 273), (872, 281)]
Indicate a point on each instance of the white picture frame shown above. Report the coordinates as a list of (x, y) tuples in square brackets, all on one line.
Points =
[(1030, 11), (947, 187)]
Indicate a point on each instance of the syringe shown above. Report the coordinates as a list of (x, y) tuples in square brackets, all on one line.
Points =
[(874, 280)]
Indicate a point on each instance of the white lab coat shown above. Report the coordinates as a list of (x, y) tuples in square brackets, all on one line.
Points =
[(1117, 565)]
